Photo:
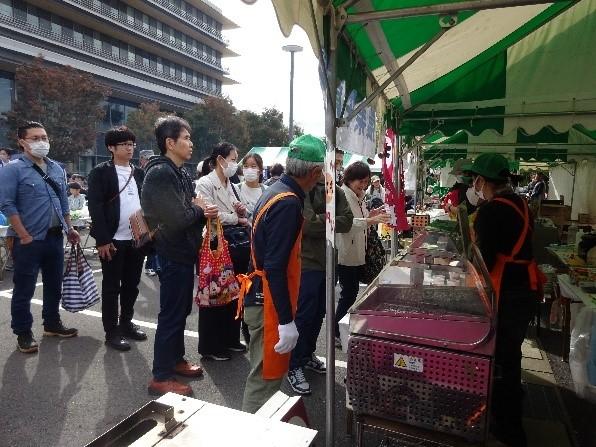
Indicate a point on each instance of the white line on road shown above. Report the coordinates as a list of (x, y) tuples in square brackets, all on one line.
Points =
[(145, 324)]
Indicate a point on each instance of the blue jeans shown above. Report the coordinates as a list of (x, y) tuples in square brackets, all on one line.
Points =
[(152, 263), (47, 255), (175, 301), (309, 316)]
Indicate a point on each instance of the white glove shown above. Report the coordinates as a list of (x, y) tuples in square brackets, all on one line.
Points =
[(288, 337)]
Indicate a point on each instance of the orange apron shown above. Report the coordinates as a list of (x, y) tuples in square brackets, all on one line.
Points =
[(275, 365), (537, 278)]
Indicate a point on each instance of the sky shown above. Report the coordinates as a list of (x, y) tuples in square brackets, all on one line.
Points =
[(263, 68)]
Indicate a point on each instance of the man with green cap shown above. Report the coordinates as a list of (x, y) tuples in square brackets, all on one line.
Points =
[(270, 291), (503, 229)]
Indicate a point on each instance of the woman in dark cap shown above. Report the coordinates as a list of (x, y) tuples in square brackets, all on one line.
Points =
[(503, 229)]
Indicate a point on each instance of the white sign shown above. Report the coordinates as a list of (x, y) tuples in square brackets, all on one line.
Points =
[(408, 362), (360, 135)]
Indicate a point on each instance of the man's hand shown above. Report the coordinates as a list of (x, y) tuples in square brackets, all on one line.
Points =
[(210, 211), (243, 221), (26, 239), (74, 237), (288, 337), (106, 251)]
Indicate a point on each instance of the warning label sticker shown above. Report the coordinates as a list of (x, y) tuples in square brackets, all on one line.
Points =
[(408, 362)]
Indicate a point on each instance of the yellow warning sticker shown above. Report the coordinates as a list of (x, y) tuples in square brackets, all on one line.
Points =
[(408, 362)]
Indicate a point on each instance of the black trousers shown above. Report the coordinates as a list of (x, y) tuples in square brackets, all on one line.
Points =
[(516, 309), (218, 328), (349, 280), (121, 277)]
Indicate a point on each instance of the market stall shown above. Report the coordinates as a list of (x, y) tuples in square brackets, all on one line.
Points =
[(421, 67)]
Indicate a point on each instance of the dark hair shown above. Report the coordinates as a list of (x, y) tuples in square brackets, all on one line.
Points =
[(206, 168), (356, 171), (74, 185), (117, 135), (22, 130), (256, 157), (5, 149), (169, 127), (276, 170)]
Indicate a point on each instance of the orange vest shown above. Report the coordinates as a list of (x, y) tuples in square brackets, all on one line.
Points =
[(537, 278), (275, 365)]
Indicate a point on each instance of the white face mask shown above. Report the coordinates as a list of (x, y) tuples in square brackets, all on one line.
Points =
[(472, 196), (231, 169), (251, 174), (39, 148)]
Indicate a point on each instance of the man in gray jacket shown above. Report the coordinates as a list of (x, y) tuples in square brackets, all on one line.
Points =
[(170, 207)]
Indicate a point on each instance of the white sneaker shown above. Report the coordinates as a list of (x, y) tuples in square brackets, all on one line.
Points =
[(298, 382)]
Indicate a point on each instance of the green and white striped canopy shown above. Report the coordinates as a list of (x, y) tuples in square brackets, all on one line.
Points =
[(547, 145), (525, 67)]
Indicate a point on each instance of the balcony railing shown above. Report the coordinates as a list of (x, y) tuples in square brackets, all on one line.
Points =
[(192, 19), (66, 41), (115, 15)]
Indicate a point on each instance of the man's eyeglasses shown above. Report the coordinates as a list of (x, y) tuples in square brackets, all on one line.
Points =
[(36, 139)]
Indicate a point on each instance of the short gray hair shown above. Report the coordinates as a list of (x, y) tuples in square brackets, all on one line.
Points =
[(300, 168)]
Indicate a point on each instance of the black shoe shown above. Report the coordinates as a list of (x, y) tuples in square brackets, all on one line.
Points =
[(238, 348), (133, 332), (58, 330), (117, 342), (26, 343)]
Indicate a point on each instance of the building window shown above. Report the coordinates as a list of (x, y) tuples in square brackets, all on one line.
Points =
[(6, 92), (45, 20), (6, 7)]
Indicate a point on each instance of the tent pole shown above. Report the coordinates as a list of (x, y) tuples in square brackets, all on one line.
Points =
[(396, 157), (450, 8), (396, 74), (330, 133)]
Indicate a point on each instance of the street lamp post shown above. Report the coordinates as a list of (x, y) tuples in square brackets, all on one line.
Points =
[(291, 49)]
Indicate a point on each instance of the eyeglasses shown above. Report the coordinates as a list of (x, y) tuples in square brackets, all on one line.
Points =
[(133, 145), (36, 139)]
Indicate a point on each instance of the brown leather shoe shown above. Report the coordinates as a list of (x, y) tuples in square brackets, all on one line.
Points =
[(157, 388), (187, 369)]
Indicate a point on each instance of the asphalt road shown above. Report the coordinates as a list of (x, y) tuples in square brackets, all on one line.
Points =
[(74, 390)]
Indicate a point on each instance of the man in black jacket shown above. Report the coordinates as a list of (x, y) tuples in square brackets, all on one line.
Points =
[(170, 207), (114, 192)]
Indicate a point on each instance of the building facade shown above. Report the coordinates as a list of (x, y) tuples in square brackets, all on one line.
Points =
[(169, 51)]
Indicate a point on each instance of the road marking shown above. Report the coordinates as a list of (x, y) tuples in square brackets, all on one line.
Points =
[(145, 324)]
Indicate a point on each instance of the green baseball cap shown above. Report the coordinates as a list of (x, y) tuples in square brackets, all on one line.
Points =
[(491, 166), (307, 148)]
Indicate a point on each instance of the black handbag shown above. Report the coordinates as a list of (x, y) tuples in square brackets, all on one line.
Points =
[(237, 236), (375, 257)]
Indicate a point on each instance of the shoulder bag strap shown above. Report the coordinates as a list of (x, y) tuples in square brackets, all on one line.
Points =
[(132, 171), (235, 193), (47, 179)]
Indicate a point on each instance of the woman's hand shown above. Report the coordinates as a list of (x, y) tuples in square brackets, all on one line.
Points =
[(243, 221), (240, 209), (381, 218), (376, 211)]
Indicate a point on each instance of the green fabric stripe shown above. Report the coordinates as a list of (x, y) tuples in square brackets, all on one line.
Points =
[(436, 88)]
